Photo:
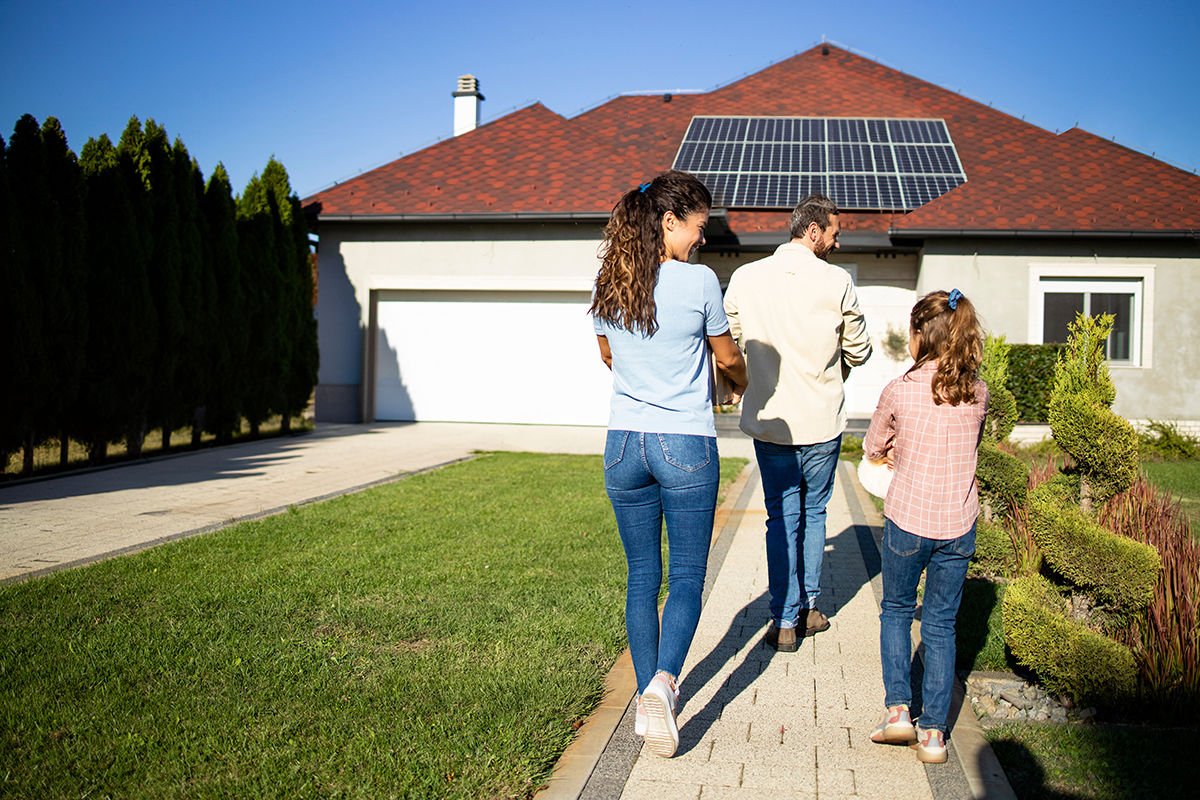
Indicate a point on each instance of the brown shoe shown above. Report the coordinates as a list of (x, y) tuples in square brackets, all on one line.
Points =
[(814, 621), (782, 639)]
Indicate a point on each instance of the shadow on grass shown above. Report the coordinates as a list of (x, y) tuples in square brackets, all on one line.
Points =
[(1025, 774), (1072, 762)]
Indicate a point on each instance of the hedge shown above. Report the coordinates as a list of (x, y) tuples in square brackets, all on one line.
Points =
[(1031, 377)]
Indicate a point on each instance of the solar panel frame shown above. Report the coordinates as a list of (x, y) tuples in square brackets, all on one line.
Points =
[(861, 163)]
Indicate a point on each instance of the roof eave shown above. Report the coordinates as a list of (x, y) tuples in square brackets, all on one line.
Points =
[(512, 216), (946, 233)]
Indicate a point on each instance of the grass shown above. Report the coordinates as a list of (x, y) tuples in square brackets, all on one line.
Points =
[(980, 628), (47, 456), (1110, 762), (439, 636), (1182, 479)]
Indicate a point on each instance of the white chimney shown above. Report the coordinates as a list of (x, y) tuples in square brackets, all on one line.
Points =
[(466, 105)]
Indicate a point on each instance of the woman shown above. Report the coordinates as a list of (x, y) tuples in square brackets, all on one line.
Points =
[(655, 315), (928, 425)]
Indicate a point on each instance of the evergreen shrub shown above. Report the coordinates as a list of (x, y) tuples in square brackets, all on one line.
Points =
[(1002, 477), (1164, 440), (994, 553), (1117, 571), (1070, 659)]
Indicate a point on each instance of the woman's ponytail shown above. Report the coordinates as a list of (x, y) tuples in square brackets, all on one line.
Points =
[(633, 248)]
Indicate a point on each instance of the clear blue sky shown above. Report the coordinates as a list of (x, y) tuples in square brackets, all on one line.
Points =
[(331, 88)]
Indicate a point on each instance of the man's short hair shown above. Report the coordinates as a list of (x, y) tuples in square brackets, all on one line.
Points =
[(815, 208)]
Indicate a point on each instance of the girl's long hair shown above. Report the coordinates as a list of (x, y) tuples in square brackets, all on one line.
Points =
[(953, 338), (633, 248)]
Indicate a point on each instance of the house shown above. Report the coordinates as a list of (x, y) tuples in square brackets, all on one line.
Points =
[(454, 282)]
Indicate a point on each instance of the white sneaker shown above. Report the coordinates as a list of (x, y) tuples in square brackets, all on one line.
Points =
[(639, 715), (662, 734)]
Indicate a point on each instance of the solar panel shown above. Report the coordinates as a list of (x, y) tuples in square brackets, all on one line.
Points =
[(872, 164)]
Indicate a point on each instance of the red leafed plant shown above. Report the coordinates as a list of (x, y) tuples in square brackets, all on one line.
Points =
[(1167, 640)]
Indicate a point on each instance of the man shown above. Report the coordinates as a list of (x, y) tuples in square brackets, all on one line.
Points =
[(797, 318)]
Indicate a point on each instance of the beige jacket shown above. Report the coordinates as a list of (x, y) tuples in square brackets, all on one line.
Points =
[(797, 319)]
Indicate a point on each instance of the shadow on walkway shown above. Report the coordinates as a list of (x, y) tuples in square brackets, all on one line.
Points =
[(238, 460), (739, 633)]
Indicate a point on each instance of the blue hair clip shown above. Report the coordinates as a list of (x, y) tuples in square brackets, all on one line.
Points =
[(955, 294), (642, 189)]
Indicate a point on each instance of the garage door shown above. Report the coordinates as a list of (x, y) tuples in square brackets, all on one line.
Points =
[(492, 356)]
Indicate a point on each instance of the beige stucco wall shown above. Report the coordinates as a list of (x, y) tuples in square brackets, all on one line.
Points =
[(470, 256), (997, 280)]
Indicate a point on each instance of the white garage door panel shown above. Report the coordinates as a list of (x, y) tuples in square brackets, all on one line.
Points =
[(485, 360)]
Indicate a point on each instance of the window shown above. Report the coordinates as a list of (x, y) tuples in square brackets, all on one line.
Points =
[(1059, 294)]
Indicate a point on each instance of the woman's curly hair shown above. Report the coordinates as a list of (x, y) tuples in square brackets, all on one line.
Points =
[(953, 338), (633, 248)]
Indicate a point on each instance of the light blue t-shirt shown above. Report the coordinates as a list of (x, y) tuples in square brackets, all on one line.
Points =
[(661, 382)]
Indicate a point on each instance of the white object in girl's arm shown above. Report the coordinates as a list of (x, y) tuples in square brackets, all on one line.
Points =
[(875, 476)]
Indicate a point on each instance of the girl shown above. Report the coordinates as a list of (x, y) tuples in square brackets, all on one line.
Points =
[(928, 425), (654, 314)]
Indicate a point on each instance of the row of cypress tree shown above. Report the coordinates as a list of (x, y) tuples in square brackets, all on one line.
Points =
[(136, 296)]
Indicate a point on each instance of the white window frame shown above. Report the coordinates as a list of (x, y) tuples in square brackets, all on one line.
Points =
[(1137, 280)]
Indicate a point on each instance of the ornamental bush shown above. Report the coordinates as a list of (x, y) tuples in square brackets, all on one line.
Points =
[(1104, 445), (1117, 573), (994, 553), (1002, 477), (1094, 583), (1164, 441), (1070, 659)]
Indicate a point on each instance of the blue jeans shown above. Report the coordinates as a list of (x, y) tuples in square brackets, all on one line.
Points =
[(797, 482), (649, 477), (945, 563)]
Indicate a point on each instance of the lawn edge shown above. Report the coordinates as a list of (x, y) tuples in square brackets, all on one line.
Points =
[(575, 766), (138, 547)]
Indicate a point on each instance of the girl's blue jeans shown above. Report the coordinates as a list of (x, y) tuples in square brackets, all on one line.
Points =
[(944, 562), (651, 477)]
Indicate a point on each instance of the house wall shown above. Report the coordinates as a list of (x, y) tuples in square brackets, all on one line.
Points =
[(996, 275), (358, 259)]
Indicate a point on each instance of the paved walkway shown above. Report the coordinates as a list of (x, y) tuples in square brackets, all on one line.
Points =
[(756, 723), (753, 722)]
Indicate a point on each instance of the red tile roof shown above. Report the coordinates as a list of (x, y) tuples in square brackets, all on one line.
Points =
[(1019, 176), (1074, 181)]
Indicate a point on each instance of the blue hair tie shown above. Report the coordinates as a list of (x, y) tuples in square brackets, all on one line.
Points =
[(642, 189), (955, 295)]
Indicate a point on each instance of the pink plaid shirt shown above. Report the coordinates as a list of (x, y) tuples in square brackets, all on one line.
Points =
[(933, 492)]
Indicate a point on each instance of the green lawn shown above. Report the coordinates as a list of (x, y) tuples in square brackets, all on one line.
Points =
[(439, 636), (1181, 478)]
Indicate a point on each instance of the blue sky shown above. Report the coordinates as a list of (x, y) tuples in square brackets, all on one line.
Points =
[(334, 88)]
